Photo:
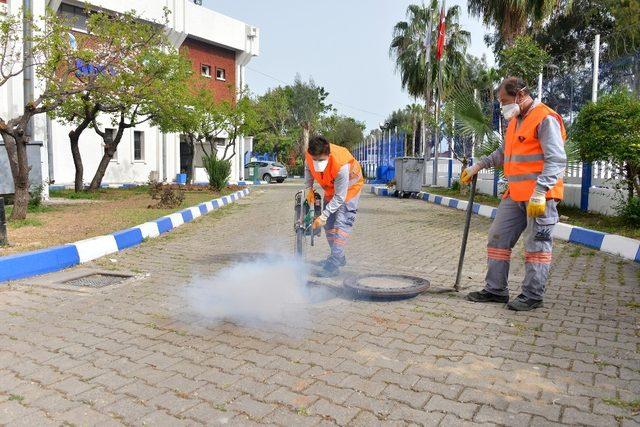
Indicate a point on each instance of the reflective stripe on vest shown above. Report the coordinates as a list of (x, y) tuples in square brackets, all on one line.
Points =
[(338, 157), (523, 155)]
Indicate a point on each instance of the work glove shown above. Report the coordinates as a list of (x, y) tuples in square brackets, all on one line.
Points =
[(468, 173), (320, 221), (311, 196), (537, 204)]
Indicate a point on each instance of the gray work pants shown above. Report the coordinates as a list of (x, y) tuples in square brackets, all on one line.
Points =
[(510, 222), (338, 228)]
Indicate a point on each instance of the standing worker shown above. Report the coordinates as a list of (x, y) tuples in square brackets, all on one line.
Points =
[(340, 176), (534, 161)]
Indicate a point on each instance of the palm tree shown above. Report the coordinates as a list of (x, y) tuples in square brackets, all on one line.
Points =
[(512, 17), (415, 110), (408, 49)]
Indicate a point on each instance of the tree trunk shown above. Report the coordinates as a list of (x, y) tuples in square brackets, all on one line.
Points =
[(631, 179), (305, 137), (96, 182), (74, 137), (415, 132), (19, 164), (109, 150)]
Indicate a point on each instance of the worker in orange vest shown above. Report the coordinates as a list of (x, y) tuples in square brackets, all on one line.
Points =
[(340, 176), (534, 161)]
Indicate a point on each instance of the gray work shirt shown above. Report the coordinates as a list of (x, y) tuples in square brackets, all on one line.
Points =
[(555, 157), (340, 185)]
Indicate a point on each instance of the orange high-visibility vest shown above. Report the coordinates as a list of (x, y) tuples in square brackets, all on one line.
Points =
[(523, 156), (338, 157)]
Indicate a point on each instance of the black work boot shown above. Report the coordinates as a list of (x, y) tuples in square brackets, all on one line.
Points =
[(484, 296), (329, 269), (522, 303)]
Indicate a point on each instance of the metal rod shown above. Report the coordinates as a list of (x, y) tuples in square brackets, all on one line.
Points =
[(4, 240), (465, 235), (596, 68), (27, 58)]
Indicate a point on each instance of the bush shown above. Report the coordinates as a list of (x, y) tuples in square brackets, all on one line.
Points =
[(455, 185), (155, 189), (35, 197), (170, 198), (607, 130), (297, 169), (630, 211), (218, 171)]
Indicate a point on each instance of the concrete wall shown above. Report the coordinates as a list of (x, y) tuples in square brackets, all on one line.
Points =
[(35, 174), (124, 169)]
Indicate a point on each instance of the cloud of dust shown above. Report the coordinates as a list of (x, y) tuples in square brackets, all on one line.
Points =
[(266, 292)]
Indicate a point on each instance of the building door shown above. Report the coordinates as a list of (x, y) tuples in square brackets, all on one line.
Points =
[(186, 154)]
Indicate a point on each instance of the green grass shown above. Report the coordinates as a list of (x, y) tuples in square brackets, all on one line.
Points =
[(633, 405), (100, 194), (30, 209), (16, 397), (574, 216), (632, 304), (28, 222)]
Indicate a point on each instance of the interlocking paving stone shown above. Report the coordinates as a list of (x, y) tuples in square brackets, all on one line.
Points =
[(135, 354)]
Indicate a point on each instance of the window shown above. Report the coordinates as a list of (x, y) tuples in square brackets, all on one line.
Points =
[(75, 16), (110, 134), (138, 145), (205, 70), (220, 74)]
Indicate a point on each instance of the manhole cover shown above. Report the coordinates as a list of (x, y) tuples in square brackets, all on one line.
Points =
[(97, 280), (386, 285)]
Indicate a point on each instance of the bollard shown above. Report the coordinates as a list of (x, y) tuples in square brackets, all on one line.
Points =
[(4, 240)]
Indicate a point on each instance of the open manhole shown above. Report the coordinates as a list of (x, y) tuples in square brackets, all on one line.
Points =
[(97, 280), (386, 286)]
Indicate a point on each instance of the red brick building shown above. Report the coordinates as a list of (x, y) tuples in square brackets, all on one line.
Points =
[(215, 64)]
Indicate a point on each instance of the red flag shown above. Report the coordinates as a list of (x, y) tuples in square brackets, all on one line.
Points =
[(441, 31)]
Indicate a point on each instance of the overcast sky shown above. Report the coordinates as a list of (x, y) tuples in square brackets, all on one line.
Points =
[(342, 44)]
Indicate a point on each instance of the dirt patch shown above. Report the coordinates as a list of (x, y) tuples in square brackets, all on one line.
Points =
[(113, 210)]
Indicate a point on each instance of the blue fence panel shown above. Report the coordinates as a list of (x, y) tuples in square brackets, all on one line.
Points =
[(265, 157)]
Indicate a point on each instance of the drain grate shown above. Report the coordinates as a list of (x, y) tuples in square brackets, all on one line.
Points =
[(97, 280)]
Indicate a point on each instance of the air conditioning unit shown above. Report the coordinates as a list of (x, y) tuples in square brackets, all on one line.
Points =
[(252, 32)]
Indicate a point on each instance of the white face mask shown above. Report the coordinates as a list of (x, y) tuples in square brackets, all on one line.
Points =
[(320, 165), (509, 111)]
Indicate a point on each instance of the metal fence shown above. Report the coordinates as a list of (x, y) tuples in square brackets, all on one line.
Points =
[(377, 154)]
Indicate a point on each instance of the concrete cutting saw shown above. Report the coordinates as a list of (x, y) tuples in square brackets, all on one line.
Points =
[(304, 215)]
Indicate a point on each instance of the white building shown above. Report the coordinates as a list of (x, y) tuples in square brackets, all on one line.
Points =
[(219, 47)]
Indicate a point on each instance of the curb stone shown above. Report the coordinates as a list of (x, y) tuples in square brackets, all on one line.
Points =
[(610, 243), (48, 260)]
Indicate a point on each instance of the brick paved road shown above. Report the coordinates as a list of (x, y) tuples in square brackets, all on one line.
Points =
[(128, 355)]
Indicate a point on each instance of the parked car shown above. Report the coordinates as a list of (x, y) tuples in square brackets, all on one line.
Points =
[(267, 171)]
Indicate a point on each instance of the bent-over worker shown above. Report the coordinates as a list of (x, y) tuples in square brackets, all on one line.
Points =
[(534, 161), (340, 176)]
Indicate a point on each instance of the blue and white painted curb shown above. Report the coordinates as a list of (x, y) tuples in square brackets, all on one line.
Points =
[(57, 258), (610, 243)]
